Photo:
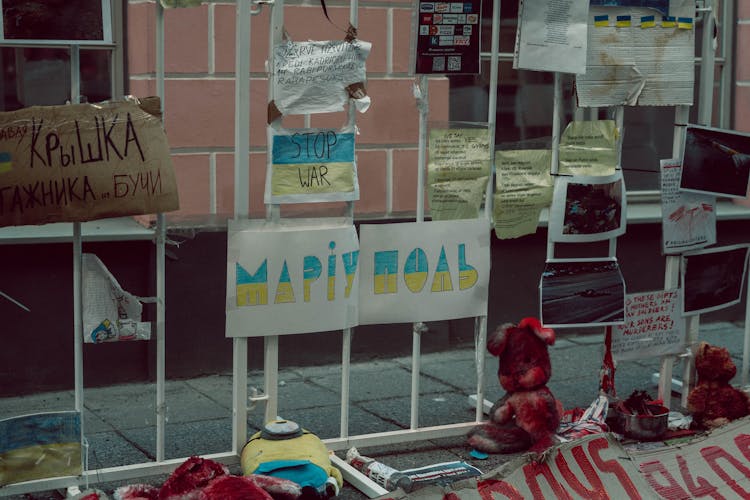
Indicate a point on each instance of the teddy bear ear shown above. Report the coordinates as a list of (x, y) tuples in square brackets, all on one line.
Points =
[(498, 340), (546, 335)]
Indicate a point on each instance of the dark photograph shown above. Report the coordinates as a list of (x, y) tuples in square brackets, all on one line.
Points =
[(716, 162), (593, 208), (582, 293), (713, 279)]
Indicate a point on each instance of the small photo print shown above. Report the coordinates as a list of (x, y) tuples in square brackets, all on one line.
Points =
[(716, 161), (713, 279), (582, 292), (588, 208)]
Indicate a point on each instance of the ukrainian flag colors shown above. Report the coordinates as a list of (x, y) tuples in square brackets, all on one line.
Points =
[(385, 276), (252, 289), (6, 165), (284, 292), (415, 270), (623, 21), (601, 21), (668, 21), (648, 22), (685, 23), (39, 446), (442, 281)]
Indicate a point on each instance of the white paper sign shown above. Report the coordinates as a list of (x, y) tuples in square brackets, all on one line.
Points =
[(287, 278), (109, 312), (688, 219), (653, 326), (311, 77), (424, 271), (552, 36)]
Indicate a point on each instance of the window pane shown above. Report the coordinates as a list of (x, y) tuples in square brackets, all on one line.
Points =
[(96, 79), (52, 19), (35, 76)]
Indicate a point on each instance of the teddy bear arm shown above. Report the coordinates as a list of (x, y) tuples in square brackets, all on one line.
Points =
[(696, 402)]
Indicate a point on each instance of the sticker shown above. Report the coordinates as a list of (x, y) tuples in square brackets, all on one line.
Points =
[(458, 7), (438, 63), (668, 21), (685, 23), (427, 7), (623, 21), (648, 22), (601, 21)]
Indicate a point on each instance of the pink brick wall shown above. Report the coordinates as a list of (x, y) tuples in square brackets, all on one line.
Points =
[(199, 99)]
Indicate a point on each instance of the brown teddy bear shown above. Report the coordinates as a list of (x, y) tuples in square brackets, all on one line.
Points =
[(713, 402), (528, 415)]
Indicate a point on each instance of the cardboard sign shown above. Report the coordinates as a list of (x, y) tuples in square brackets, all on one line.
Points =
[(716, 465), (292, 277), (82, 162)]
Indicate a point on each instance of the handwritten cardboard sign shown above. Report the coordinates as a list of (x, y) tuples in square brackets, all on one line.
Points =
[(715, 465), (82, 162)]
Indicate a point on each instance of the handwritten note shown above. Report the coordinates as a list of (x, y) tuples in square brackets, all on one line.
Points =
[(688, 219), (523, 187), (589, 148), (312, 77), (653, 326), (457, 172)]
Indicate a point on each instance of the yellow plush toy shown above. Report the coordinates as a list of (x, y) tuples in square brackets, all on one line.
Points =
[(283, 449)]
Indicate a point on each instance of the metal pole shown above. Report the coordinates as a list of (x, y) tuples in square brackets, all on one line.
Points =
[(241, 205)]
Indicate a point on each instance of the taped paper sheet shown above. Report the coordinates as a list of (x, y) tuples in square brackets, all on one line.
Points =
[(424, 271), (312, 77), (457, 171), (589, 148), (296, 277), (653, 326), (637, 58), (688, 219), (523, 187), (311, 165), (551, 36), (109, 312)]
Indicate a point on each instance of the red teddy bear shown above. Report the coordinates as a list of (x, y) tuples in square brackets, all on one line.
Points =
[(713, 401), (528, 415)]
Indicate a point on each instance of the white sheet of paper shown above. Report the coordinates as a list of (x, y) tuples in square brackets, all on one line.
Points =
[(551, 36), (424, 271), (688, 219), (293, 277), (109, 312), (653, 326), (311, 77)]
